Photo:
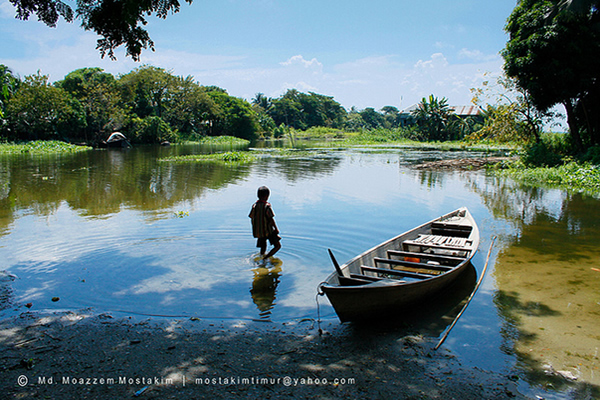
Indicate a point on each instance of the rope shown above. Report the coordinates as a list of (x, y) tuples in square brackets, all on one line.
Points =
[(319, 293)]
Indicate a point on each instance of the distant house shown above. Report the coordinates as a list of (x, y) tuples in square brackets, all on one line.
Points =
[(460, 111)]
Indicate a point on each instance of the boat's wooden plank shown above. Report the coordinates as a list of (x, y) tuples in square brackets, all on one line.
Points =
[(367, 277), (345, 281), (433, 257), (434, 267), (405, 274), (462, 246)]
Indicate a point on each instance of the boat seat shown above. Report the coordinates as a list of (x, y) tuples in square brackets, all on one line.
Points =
[(433, 257), (439, 242), (405, 274), (450, 229), (433, 267)]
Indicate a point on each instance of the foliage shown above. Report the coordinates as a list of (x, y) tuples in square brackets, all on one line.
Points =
[(570, 176), (511, 116), (230, 157), (147, 90), (97, 92), (9, 84), (354, 121), (41, 111), (150, 130), (117, 22), (553, 55), (551, 150), (41, 147), (593, 155), (433, 116), (236, 119), (304, 110), (224, 140)]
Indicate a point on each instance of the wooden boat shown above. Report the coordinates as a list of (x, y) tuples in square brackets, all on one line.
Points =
[(399, 274)]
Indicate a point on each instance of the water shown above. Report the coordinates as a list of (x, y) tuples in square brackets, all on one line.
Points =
[(119, 231)]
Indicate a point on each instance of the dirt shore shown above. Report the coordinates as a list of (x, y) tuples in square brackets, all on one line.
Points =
[(78, 356)]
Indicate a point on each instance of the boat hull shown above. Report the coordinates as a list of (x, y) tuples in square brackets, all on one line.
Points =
[(353, 302)]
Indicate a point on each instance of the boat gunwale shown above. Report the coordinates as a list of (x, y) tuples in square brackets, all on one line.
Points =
[(389, 283)]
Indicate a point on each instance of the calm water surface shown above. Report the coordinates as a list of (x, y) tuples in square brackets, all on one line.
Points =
[(119, 231)]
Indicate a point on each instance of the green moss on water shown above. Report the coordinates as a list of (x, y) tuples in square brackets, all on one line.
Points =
[(230, 157), (41, 147), (221, 140)]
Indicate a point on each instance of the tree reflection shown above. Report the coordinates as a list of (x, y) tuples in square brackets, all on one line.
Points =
[(547, 291)]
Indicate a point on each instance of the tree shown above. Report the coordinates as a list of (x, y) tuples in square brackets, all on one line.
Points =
[(118, 22), (511, 116), (97, 92), (147, 90), (552, 53), (392, 116), (8, 87), (39, 110), (234, 117), (432, 115), (262, 101), (304, 110), (372, 118), (189, 108)]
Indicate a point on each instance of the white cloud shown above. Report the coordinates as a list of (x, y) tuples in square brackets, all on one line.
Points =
[(299, 60), (436, 61), (476, 55)]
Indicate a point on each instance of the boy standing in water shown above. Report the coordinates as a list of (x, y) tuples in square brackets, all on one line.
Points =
[(263, 223)]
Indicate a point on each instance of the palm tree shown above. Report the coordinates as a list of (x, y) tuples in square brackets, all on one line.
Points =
[(432, 114), (262, 101), (8, 86)]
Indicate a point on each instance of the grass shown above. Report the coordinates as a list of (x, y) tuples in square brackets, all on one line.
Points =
[(41, 147), (230, 157), (221, 140)]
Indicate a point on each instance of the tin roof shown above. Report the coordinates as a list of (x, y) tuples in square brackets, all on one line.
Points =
[(462, 111)]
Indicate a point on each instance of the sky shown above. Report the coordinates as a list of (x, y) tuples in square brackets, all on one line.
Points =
[(372, 53)]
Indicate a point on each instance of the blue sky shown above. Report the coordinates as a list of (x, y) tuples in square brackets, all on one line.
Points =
[(363, 53)]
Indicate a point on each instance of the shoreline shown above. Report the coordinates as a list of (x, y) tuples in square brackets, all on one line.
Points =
[(71, 355)]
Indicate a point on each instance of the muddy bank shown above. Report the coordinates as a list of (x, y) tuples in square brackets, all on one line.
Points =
[(74, 356)]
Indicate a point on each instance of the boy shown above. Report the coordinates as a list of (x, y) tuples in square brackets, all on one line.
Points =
[(263, 223)]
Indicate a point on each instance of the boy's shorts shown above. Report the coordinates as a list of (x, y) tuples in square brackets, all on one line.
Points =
[(262, 242)]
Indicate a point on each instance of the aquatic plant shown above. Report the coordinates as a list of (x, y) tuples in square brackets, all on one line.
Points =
[(572, 175), (230, 157), (223, 140), (41, 147), (182, 214)]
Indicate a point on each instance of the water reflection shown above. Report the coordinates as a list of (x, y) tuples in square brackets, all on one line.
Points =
[(98, 230), (264, 287), (432, 317), (548, 294)]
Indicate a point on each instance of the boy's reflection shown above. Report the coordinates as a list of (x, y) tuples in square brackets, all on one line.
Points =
[(264, 286)]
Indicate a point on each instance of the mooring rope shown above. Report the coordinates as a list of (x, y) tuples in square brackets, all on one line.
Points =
[(319, 293)]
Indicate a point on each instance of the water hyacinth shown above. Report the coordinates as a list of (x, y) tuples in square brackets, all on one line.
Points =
[(41, 147), (573, 175), (229, 157)]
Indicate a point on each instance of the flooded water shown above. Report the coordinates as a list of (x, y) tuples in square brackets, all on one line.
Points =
[(119, 231)]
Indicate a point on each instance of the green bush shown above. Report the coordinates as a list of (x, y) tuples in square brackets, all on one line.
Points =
[(593, 155), (150, 130)]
